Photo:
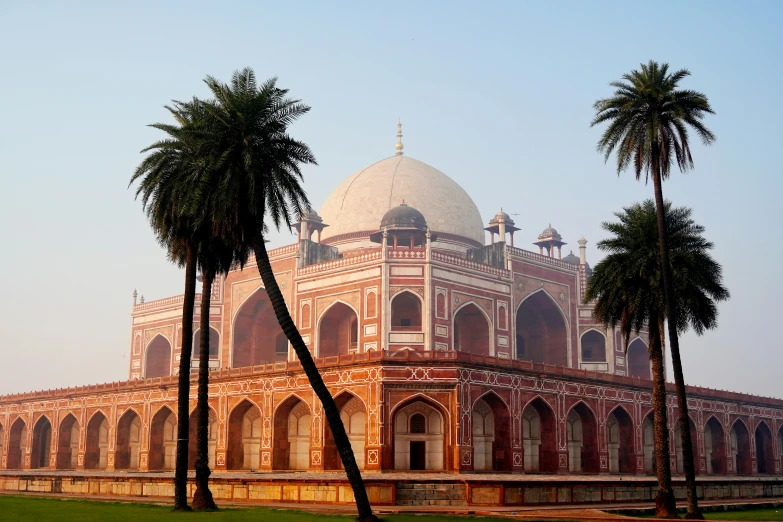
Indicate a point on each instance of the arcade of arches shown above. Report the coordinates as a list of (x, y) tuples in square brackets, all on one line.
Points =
[(542, 335)]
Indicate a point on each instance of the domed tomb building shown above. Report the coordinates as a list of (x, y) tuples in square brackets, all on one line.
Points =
[(445, 346)]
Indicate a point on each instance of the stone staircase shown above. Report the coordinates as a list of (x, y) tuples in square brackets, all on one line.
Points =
[(418, 494)]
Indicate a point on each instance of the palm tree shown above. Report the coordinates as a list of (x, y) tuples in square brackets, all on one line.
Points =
[(259, 180), (628, 288), (649, 118), (164, 194)]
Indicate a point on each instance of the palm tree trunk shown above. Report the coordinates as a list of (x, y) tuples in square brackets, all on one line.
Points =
[(202, 498), (183, 384), (316, 382), (665, 505), (671, 314)]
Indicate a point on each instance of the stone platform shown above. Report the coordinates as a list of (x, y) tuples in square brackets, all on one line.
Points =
[(397, 488)]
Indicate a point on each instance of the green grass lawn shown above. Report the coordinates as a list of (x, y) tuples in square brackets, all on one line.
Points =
[(37, 509), (771, 514)]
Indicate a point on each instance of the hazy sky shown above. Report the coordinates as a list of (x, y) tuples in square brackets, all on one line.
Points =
[(497, 95)]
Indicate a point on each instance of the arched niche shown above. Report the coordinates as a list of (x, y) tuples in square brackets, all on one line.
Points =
[(157, 362), (406, 312), (648, 444), (593, 347), (211, 438), (128, 441), (163, 440), (715, 447), (214, 344), (256, 333), (539, 437), (638, 359), (97, 443), (17, 444), (338, 331), (542, 333), (765, 457), (678, 445), (419, 437), (491, 424), (619, 428), (740, 447), (42, 443), (472, 331), (68, 443), (244, 437), (291, 433), (354, 416), (581, 432)]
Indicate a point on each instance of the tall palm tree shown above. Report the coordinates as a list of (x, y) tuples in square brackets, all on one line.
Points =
[(628, 288), (164, 195), (259, 180), (649, 118)]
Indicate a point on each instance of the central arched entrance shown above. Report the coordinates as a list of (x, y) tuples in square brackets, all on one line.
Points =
[(68, 443), (715, 447), (244, 437), (419, 441), (539, 437), (581, 431), (128, 441), (258, 338), (42, 443), (157, 362), (472, 331), (338, 331), (491, 423), (765, 458), (97, 444), (620, 430), (542, 334), (17, 444), (354, 417), (292, 424), (163, 440), (740, 447)]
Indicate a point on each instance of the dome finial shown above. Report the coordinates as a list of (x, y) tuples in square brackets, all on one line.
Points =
[(399, 145)]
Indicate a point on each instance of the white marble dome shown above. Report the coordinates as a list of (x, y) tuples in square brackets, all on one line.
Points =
[(359, 203)]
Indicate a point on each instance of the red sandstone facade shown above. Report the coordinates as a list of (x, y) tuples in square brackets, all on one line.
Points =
[(442, 354)]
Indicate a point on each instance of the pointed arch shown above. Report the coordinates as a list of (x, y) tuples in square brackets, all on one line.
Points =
[(353, 412), (620, 430), (648, 443), (765, 456), (128, 445), (68, 443), (542, 330), (491, 424), (539, 436), (423, 444), (715, 446), (42, 443), (214, 344), (157, 357), (407, 311), (244, 436), (254, 332), (593, 346), (678, 445), (17, 443), (212, 427), (337, 329), (163, 439), (739, 438), (471, 333), (97, 443), (291, 433), (582, 437), (638, 359)]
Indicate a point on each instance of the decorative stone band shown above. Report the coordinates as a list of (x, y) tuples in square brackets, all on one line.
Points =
[(339, 263), (518, 252)]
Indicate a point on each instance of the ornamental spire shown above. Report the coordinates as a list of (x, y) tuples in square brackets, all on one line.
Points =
[(399, 145)]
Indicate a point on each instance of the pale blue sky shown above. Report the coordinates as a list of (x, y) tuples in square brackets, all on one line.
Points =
[(497, 95)]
